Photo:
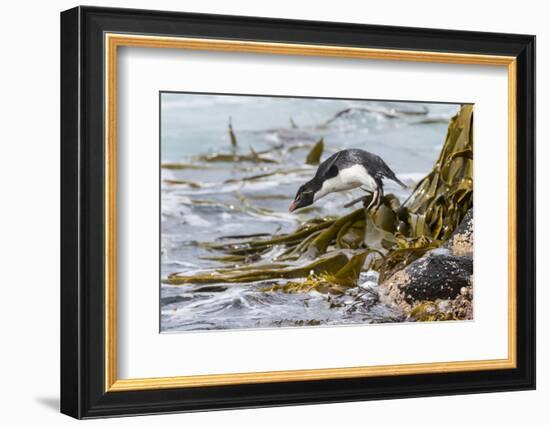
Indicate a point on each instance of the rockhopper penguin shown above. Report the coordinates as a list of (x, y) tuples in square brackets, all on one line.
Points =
[(346, 170)]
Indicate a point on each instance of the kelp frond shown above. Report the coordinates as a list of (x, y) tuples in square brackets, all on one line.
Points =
[(326, 282), (314, 155), (330, 263), (232, 137), (233, 157)]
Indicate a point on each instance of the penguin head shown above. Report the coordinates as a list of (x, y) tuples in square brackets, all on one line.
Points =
[(304, 197)]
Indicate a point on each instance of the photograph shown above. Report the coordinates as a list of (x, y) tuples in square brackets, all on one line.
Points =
[(280, 212)]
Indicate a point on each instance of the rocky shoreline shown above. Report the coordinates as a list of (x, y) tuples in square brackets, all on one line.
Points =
[(439, 285)]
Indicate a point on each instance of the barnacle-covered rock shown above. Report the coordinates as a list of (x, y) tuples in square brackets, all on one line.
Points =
[(461, 242), (437, 286), (436, 277), (459, 308)]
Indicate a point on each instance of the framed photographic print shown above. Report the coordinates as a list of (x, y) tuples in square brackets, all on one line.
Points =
[(261, 212)]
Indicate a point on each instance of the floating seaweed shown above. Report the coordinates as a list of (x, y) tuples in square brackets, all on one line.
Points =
[(232, 137), (264, 175), (262, 197), (431, 120), (182, 166), (233, 157), (189, 183), (259, 272), (314, 155), (326, 282)]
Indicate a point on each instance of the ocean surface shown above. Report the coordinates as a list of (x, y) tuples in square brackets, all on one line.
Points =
[(203, 201)]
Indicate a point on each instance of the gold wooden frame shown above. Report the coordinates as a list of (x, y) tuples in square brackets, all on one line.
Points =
[(113, 41)]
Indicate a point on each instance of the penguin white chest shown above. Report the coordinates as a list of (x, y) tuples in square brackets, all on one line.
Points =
[(347, 179)]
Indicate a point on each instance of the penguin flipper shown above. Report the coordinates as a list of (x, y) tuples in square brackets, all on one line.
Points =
[(328, 168)]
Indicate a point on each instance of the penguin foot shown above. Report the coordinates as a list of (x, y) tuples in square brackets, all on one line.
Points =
[(375, 201)]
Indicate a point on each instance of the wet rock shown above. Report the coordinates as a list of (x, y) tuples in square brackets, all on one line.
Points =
[(432, 277), (437, 286), (459, 308), (462, 305), (461, 242), (437, 277)]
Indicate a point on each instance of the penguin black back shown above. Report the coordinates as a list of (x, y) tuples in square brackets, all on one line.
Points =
[(347, 158)]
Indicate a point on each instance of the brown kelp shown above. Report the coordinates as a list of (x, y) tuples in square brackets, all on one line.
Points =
[(314, 155), (232, 137), (329, 253), (234, 157)]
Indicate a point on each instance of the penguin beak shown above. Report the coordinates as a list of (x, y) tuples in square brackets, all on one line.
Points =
[(292, 206)]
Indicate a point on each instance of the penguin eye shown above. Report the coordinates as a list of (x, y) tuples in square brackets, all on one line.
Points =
[(302, 193)]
